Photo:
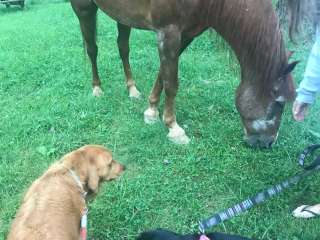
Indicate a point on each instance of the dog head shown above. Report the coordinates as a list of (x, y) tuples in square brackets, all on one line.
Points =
[(93, 164)]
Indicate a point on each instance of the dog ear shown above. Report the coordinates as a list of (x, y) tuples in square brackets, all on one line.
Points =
[(93, 179), (73, 160)]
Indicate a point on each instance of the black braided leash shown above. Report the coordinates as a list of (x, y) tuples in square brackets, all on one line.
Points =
[(266, 194)]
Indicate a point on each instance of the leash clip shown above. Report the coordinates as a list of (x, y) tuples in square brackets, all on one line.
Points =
[(306, 152), (203, 235), (201, 228)]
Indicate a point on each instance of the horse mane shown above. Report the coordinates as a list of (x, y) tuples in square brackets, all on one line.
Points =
[(253, 32), (298, 11)]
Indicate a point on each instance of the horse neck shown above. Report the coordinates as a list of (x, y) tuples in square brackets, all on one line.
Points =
[(252, 30)]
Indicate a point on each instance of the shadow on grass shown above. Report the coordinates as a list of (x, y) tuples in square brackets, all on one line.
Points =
[(10, 9)]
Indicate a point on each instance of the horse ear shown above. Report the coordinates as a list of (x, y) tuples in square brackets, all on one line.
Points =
[(285, 89), (290, 68)]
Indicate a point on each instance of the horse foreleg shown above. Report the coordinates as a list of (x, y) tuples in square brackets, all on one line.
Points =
[(169, 44), (86, 12), (123, 46), (151, 115)]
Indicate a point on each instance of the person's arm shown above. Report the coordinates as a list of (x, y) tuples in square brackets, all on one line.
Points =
[(310, 85)]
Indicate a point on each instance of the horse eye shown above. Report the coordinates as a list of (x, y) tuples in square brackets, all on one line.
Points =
[(274, 93)]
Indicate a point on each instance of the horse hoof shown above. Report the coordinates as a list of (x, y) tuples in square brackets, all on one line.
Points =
[(177, 135), (134, 93), (97, 91), (151, 115)]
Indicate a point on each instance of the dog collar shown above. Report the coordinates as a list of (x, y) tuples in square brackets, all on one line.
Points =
[(77, 180), (84, 217)]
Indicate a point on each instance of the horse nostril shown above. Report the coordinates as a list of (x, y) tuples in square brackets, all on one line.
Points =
[(267, 143), (270, 144), (252, 141)]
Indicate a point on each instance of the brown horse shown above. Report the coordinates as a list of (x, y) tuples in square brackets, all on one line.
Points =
[(249, 26)]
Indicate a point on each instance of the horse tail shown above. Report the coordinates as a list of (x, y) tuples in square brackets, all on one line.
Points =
[(300, 10)]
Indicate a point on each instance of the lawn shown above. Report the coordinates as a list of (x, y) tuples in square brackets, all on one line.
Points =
[(47, 110)]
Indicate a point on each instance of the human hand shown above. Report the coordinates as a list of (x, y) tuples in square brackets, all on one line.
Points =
[(299, 110)]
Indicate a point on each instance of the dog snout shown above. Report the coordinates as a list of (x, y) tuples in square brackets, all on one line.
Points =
[(122, 167)]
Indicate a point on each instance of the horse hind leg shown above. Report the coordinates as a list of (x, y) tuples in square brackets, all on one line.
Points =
[(86, 12), (123, 46), (151, 115)]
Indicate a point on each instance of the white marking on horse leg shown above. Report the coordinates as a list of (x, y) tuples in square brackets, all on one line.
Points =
[(97, 91), (151, 115), (134, 93), (177, 134)]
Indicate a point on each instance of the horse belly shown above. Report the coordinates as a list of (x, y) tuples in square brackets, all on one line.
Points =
[(133, 13)]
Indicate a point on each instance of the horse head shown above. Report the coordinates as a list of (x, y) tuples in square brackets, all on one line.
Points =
[(261, 107)]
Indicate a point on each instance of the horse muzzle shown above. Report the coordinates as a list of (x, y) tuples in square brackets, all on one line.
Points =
[(261, 141)]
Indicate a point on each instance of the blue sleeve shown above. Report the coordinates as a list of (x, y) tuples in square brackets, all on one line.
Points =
[(310, 84)]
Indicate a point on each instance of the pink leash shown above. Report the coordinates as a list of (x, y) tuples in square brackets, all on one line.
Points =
[(204, 237), (83, 225)]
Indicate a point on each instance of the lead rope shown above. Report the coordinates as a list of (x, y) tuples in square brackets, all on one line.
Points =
[(83, 225), (84, 217), (266, 194)]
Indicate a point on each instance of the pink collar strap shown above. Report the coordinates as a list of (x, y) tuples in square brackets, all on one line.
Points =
[(83, 225)]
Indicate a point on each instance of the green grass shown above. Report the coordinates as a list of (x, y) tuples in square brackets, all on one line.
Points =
[(47, 110)]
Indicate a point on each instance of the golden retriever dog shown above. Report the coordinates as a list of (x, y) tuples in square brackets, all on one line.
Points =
[(54, 204)]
